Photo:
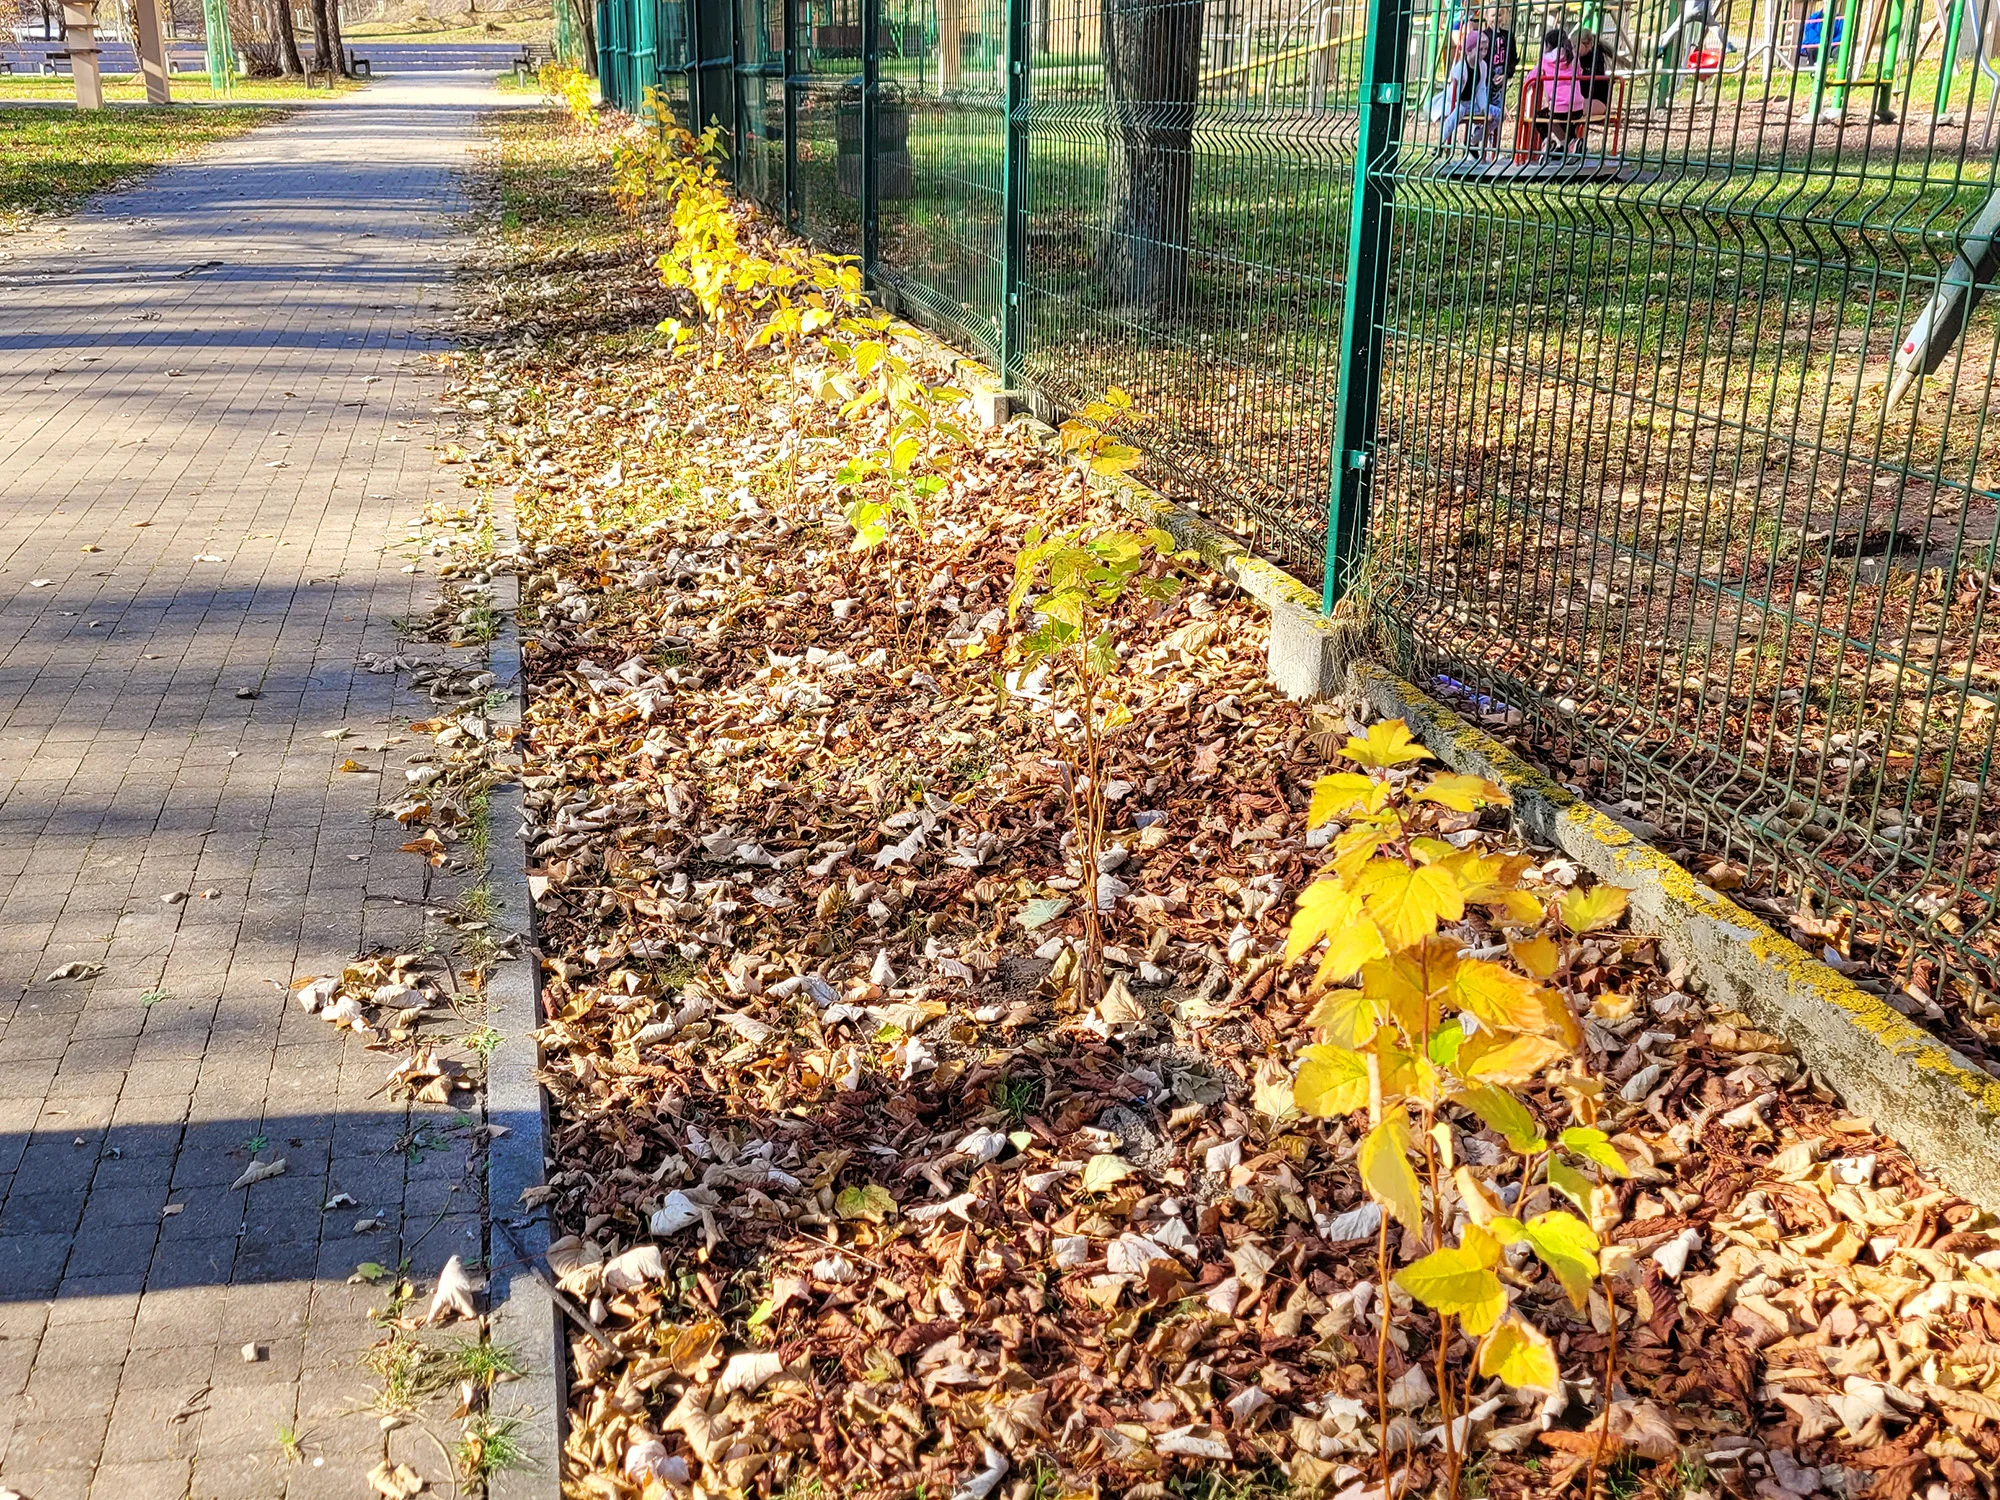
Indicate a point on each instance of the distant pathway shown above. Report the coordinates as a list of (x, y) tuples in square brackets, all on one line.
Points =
[(213, 431)]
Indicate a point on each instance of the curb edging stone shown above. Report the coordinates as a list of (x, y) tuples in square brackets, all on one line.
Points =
[(521, 1314)]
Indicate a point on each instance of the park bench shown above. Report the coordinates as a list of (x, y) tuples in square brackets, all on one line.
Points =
[(55, 64), (529, 63), (359, 67)]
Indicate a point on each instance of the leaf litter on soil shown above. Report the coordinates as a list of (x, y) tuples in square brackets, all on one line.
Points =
[(848, 1187)]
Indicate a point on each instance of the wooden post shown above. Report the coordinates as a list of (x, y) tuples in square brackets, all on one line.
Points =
[(153, 52), (80, 41)]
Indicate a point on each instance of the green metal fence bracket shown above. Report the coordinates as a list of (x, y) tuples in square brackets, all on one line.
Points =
[(1384, 58)]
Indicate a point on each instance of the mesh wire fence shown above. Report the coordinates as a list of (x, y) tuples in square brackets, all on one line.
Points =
[(1679, 462), (1682, 441), (1219, 310)]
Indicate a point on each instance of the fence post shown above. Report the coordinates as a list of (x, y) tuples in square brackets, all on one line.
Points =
[(871, 76), (791, 106), (1384, 60), (1014, 190)]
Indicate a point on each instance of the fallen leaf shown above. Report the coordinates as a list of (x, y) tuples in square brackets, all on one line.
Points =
[(259, 1171)]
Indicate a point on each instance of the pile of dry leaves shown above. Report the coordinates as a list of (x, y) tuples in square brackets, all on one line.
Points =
[(852, 1193)]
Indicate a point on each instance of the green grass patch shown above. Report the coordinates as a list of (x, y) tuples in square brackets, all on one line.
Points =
[(51, 160)]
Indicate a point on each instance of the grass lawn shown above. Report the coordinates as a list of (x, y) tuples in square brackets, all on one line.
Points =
[(514, 29), (51, 160), (189, 88)]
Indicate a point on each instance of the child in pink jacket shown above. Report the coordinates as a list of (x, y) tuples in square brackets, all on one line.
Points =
[(1565, 100)]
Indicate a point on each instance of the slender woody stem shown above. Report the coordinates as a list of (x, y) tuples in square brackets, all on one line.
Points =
[(1610, 1374)]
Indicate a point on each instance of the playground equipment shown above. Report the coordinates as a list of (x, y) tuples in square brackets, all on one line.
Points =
[(221, 52)]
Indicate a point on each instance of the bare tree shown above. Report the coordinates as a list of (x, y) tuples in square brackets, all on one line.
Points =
[(288, 41), (1152, 71), (322, 40), (339, 46)]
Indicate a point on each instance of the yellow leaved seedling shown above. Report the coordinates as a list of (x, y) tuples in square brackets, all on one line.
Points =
[(1420, 1033)]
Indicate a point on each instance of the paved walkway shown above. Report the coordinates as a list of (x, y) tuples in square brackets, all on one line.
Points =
[(213, 433)]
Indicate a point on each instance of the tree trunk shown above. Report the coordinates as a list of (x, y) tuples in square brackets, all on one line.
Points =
[(322, 45), (333, 26), (1152, 68), (586, 15), (289, 61)]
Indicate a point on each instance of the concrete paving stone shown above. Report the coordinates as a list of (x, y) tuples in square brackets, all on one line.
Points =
[(43, 1483), (113, 1249), (116, 785), (163, 1478), (32, 1264), (42, 1442), (67, 1388)]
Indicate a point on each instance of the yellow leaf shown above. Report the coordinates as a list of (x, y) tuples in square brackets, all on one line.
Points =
[(1458, 1283), (1356, 847), (1407, 904), (1587, 911), (1430, 851), (1481, 1245), (1517, 907), (1567, 1247), (1498, 996), (1385, 1171), (1349, 949), (1537, 955), (1595, 1146), (1409, 1073), (1463, 793), (1517, 1352), (1342, 792), (1325, 906), (1346, 1018), (1411, 985), (1331, 1081), (1104, 1171), (1388, 743), (1509, 1060), (1501, 1111)]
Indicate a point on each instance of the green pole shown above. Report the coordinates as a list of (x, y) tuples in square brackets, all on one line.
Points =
[(1014, 209), (1822, 50), (1892, 46), (1948, 61), (1846, 52), (1384, 58), (871, 79), (221, 57)]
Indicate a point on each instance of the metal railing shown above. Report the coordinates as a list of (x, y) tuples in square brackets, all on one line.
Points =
[(1667, 355)]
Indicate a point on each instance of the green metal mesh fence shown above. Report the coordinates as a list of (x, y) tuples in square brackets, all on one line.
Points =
[(1668, 360), (1658, 467)]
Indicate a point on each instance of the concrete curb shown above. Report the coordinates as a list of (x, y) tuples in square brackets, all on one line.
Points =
[(1931, 1098), (522, 1315)]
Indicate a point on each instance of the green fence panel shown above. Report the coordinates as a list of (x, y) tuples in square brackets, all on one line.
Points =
[(1186, 206), (1668, 345), (825, 89), (1660, 469), (941, 165)]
